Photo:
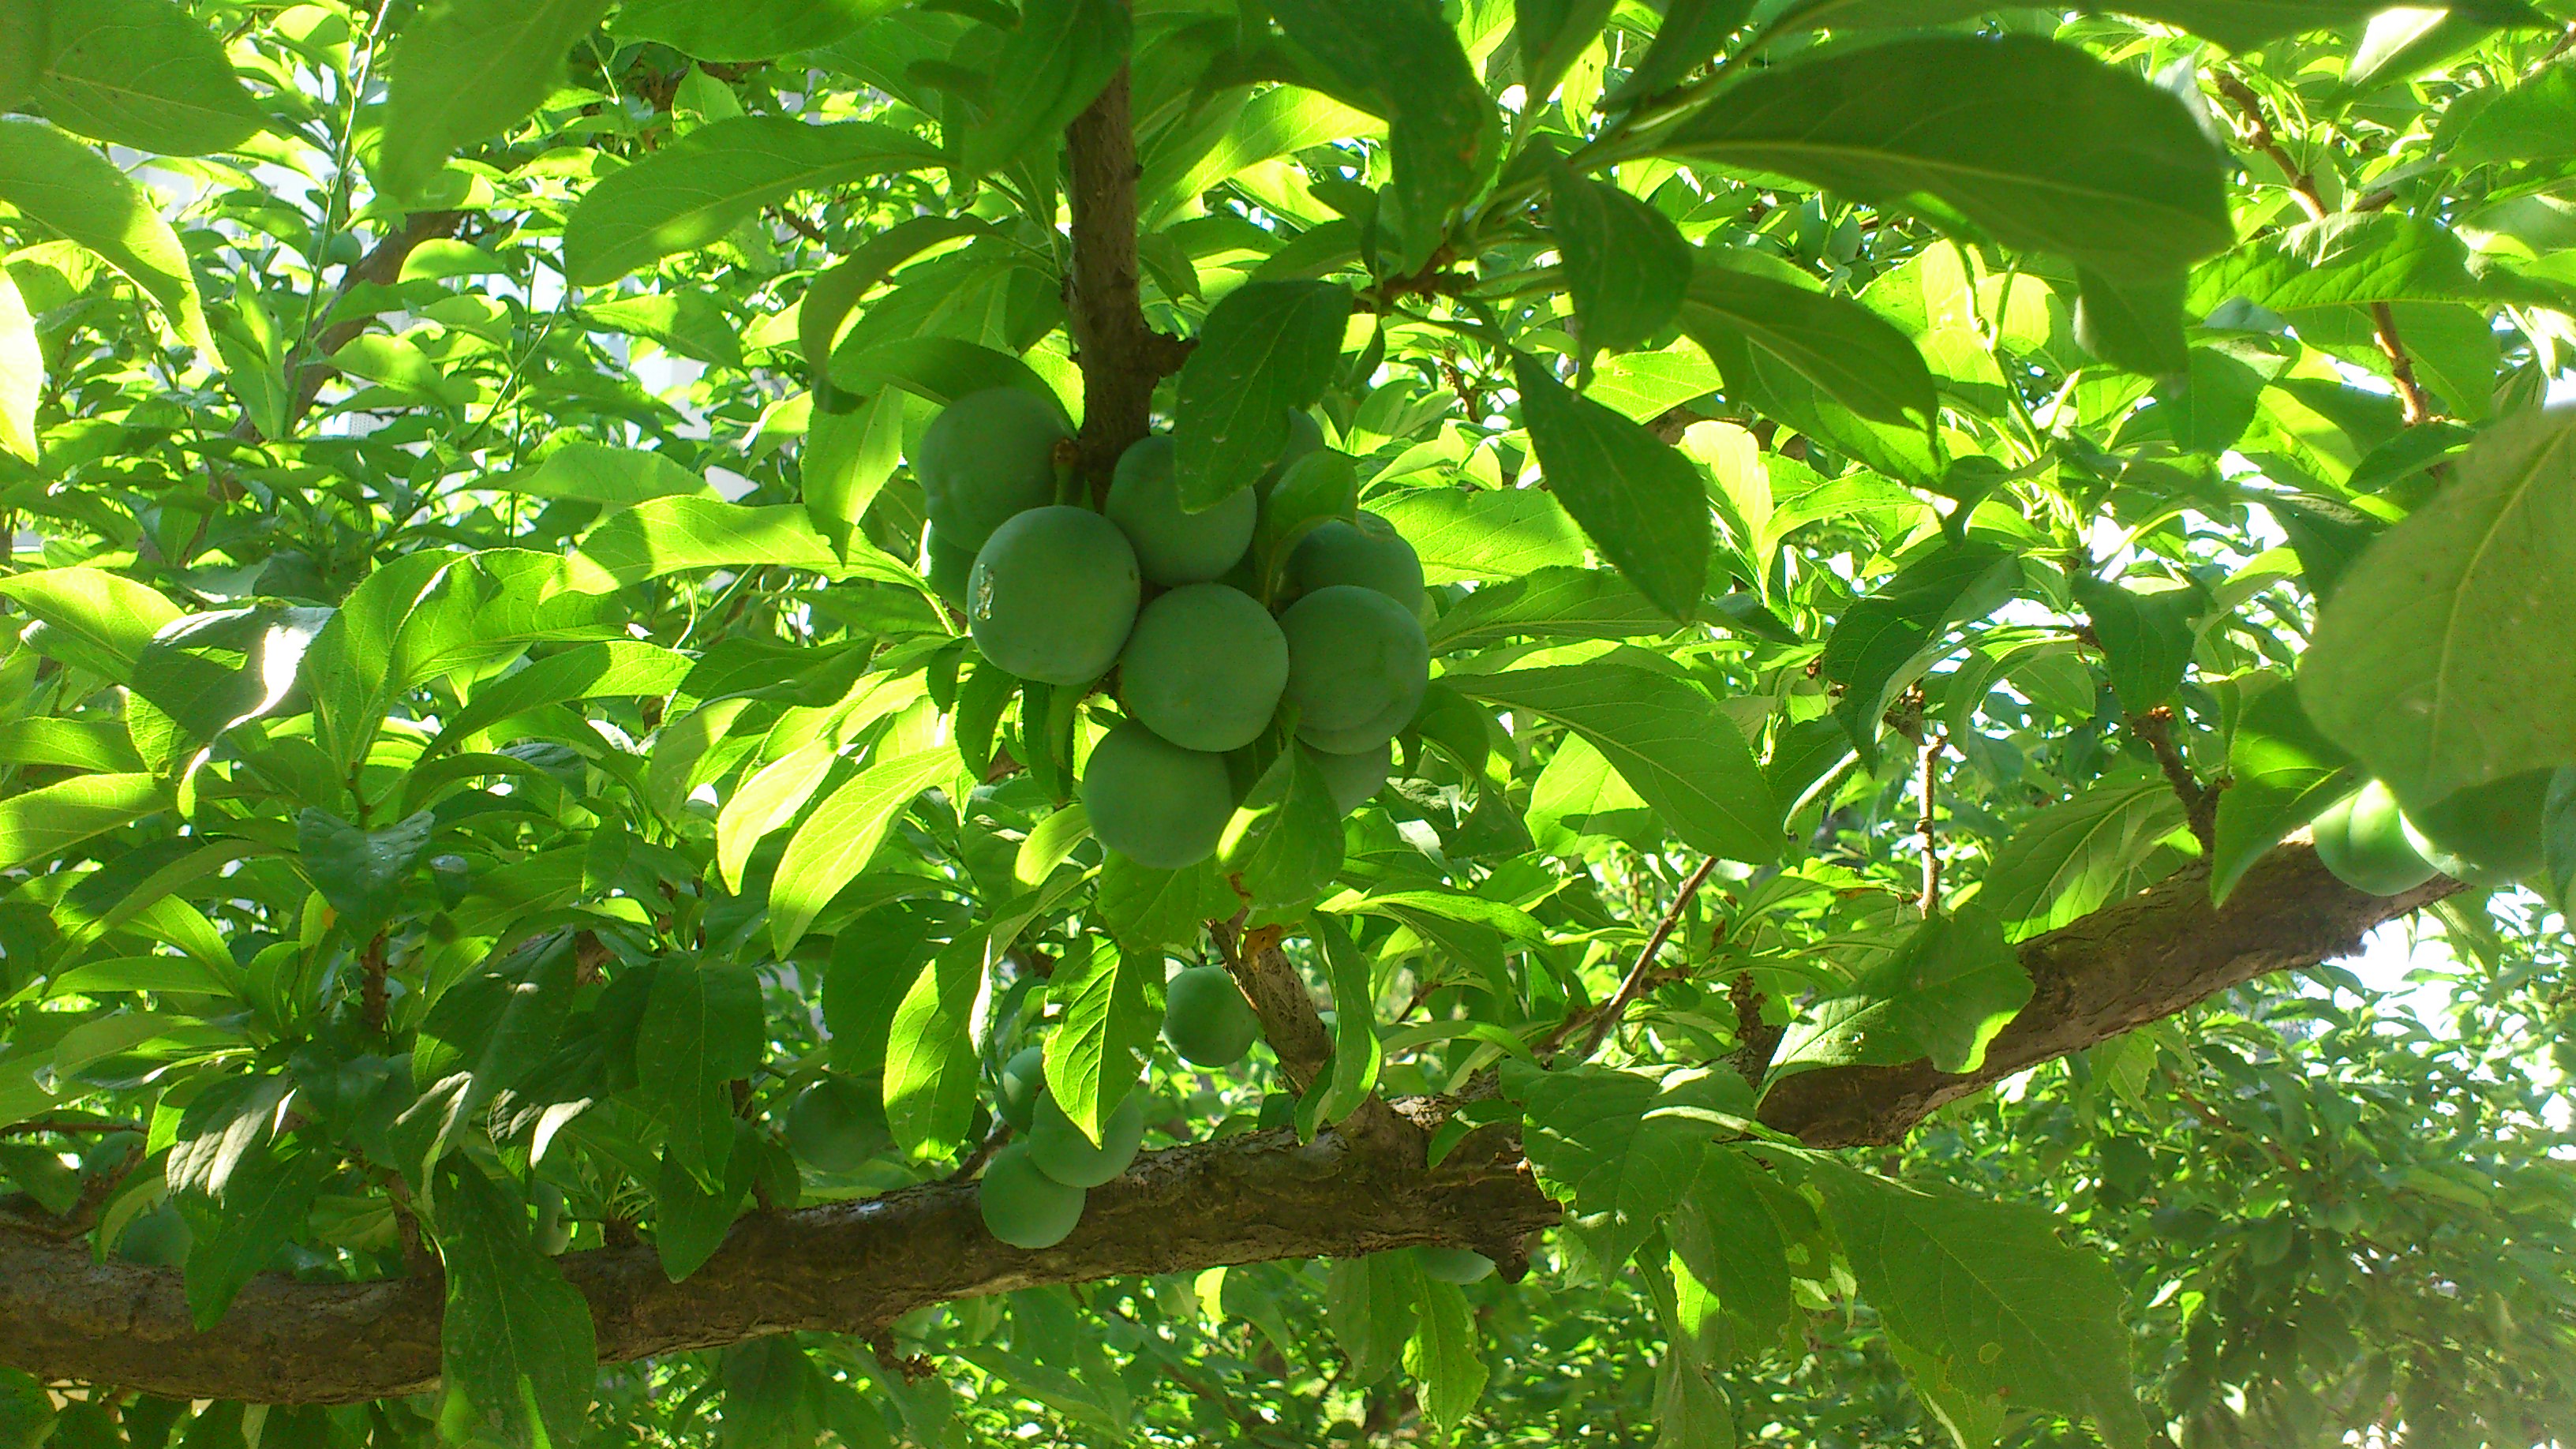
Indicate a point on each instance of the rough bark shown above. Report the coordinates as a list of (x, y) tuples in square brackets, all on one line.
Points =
[(853, 1267), (1120, 356)]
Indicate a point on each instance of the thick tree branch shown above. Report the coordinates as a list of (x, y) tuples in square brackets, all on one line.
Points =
[(1121, 357), (854, 1267)]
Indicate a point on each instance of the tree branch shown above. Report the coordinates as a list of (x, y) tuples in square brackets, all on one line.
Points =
[(854, 1267), (2413, 406), (1121, 357)]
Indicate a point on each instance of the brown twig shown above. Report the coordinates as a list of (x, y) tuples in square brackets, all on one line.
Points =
[(371, 982), (983, 1152), (1757, 1039), (66, 1126), (1927, 825), (1634, 986), (2199, 801), (2413, 406)]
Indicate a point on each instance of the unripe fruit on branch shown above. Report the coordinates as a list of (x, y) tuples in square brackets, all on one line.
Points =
[(987, 457), (2362, 839), (1368, 553), (1154, 802), (1204, 667), (1173, 545), (1023, 1206), (1053, 595), (1206, 1019), (1358, 664), (1059, 1149)]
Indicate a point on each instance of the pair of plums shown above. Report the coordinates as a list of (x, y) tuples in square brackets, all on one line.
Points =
[(1061, 594)]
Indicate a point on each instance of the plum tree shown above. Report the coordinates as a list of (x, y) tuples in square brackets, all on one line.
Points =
[(2362, 838), (1059, 1149), (988, 457), (838, 1125), (1358, 664), (1354, 777), (1053, 595), (1023, 1206), (1366, 552), (1153, 801), (1204, 667), (1206, 1019), (1175, 546)]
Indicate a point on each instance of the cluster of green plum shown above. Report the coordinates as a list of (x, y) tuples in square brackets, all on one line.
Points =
[(1033, 1190), (1061, 594)]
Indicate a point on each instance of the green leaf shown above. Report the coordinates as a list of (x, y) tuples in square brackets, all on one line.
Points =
[(2071, 858), (692, 323), (836, 842), (1727, 1233), (1549, 603), (359, 871), (26, 1410), (2146, 638), (1693, 31), (746, 29), (670, 535), (1443, 1354), (1849, 352), (1051, 67), (1670, 742), (831, 295), (2035, 143), (1266, 351), (702, 1029), (700, 187), (467, 70), (1147, 910), (2447, 657), (1357, 1050), (240, 1207), (2283, 773), (2136, 323), (1642, 503), (583, 472), (1943, 993), (1113, 1008), (1369, 1304), (68, 188), (145, 74), (1625, 262), (1986, 1290), (1401, 60), (2533, 121), (769, 1389), (22, 373), (486, 1035), (2341, 262), (609, 668), (103, 621), (1278, 122), (1284, 844), (692, 1217), (1481, 533), (1619, 1148), (517, 1349), (930, 1068), (1884, 639), (1550, 34), (36, 825)]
